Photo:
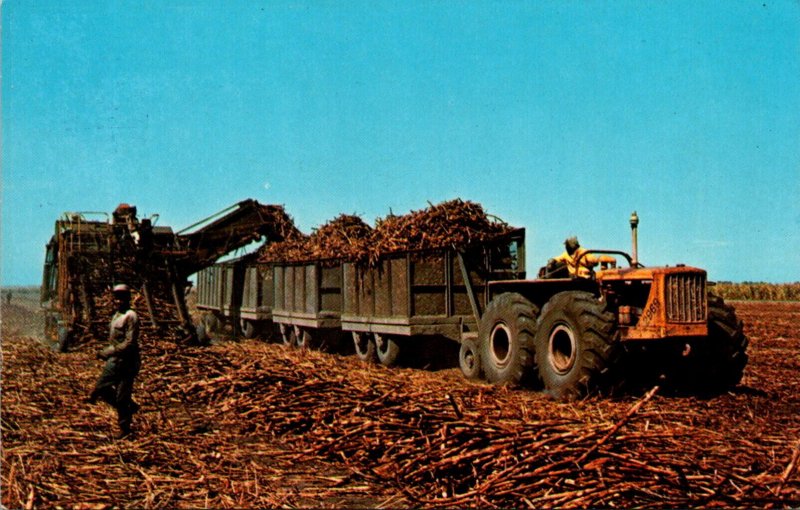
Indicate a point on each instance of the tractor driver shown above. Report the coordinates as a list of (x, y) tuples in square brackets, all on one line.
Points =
[(573, 253)]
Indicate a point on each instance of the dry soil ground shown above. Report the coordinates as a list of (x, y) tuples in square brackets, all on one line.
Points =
[(249, 424)]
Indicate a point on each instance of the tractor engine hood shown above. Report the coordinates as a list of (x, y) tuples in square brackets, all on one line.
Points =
[(646, 273), (677, 305)]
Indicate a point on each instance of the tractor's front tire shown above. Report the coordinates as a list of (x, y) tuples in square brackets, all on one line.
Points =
[(726, 333), (576, 345), (506, 334), (721, 358)]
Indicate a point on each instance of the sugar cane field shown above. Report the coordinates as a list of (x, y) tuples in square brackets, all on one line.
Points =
[(255, 424)]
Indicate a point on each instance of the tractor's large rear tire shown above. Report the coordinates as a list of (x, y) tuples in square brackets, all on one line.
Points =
[(576, 345), (506, 339)]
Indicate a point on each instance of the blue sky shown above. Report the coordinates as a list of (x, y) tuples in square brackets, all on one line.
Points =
[(561, 117)]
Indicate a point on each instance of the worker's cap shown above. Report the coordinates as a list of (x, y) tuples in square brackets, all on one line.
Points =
[(121, 288)]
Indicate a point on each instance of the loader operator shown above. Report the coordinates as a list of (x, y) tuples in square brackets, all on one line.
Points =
[(570, 258), (115, 384)]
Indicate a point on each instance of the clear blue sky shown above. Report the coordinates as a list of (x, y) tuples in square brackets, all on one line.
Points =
[(561, 117)]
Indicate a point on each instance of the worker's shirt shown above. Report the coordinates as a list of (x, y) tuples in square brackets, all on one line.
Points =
[(124, 333), (587, 262)]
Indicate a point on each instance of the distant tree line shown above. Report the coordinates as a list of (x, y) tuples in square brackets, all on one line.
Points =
[(757, 291)]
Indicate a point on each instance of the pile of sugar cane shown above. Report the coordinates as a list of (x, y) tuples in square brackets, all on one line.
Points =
[(210, 420), (347, 237)]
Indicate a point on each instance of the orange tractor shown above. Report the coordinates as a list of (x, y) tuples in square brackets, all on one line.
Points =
[(574, 335)]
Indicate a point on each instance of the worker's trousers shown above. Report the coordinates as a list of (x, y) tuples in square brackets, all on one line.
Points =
[(115, 386)]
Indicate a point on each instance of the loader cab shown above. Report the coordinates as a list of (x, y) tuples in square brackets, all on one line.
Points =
[(50, 273), (54, 327)]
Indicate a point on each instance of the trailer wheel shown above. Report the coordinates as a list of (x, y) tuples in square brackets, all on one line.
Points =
[(364, 346), (303, 338), (576, 345), (272, 332), (328, 340), (387, 349), (469, 360), (249, 329), (287, 335), (506, 339)]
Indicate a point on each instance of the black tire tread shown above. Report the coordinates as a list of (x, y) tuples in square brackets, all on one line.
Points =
[(391, 356), (369, 355), (474, 372), (598, 348), (520, 315), (249, 329), (728, 346)]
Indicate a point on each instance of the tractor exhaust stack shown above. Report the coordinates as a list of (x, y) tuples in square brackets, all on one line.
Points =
[(635, 239)]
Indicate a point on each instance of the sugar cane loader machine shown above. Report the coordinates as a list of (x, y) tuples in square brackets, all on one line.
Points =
[(91, 252)]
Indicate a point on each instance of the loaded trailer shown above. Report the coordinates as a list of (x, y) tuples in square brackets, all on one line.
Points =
[(236, 296), (438, 292), (308, 303), (380, 307)]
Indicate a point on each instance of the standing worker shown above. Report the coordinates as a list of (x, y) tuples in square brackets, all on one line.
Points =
[(573, 253), (115, 385)]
